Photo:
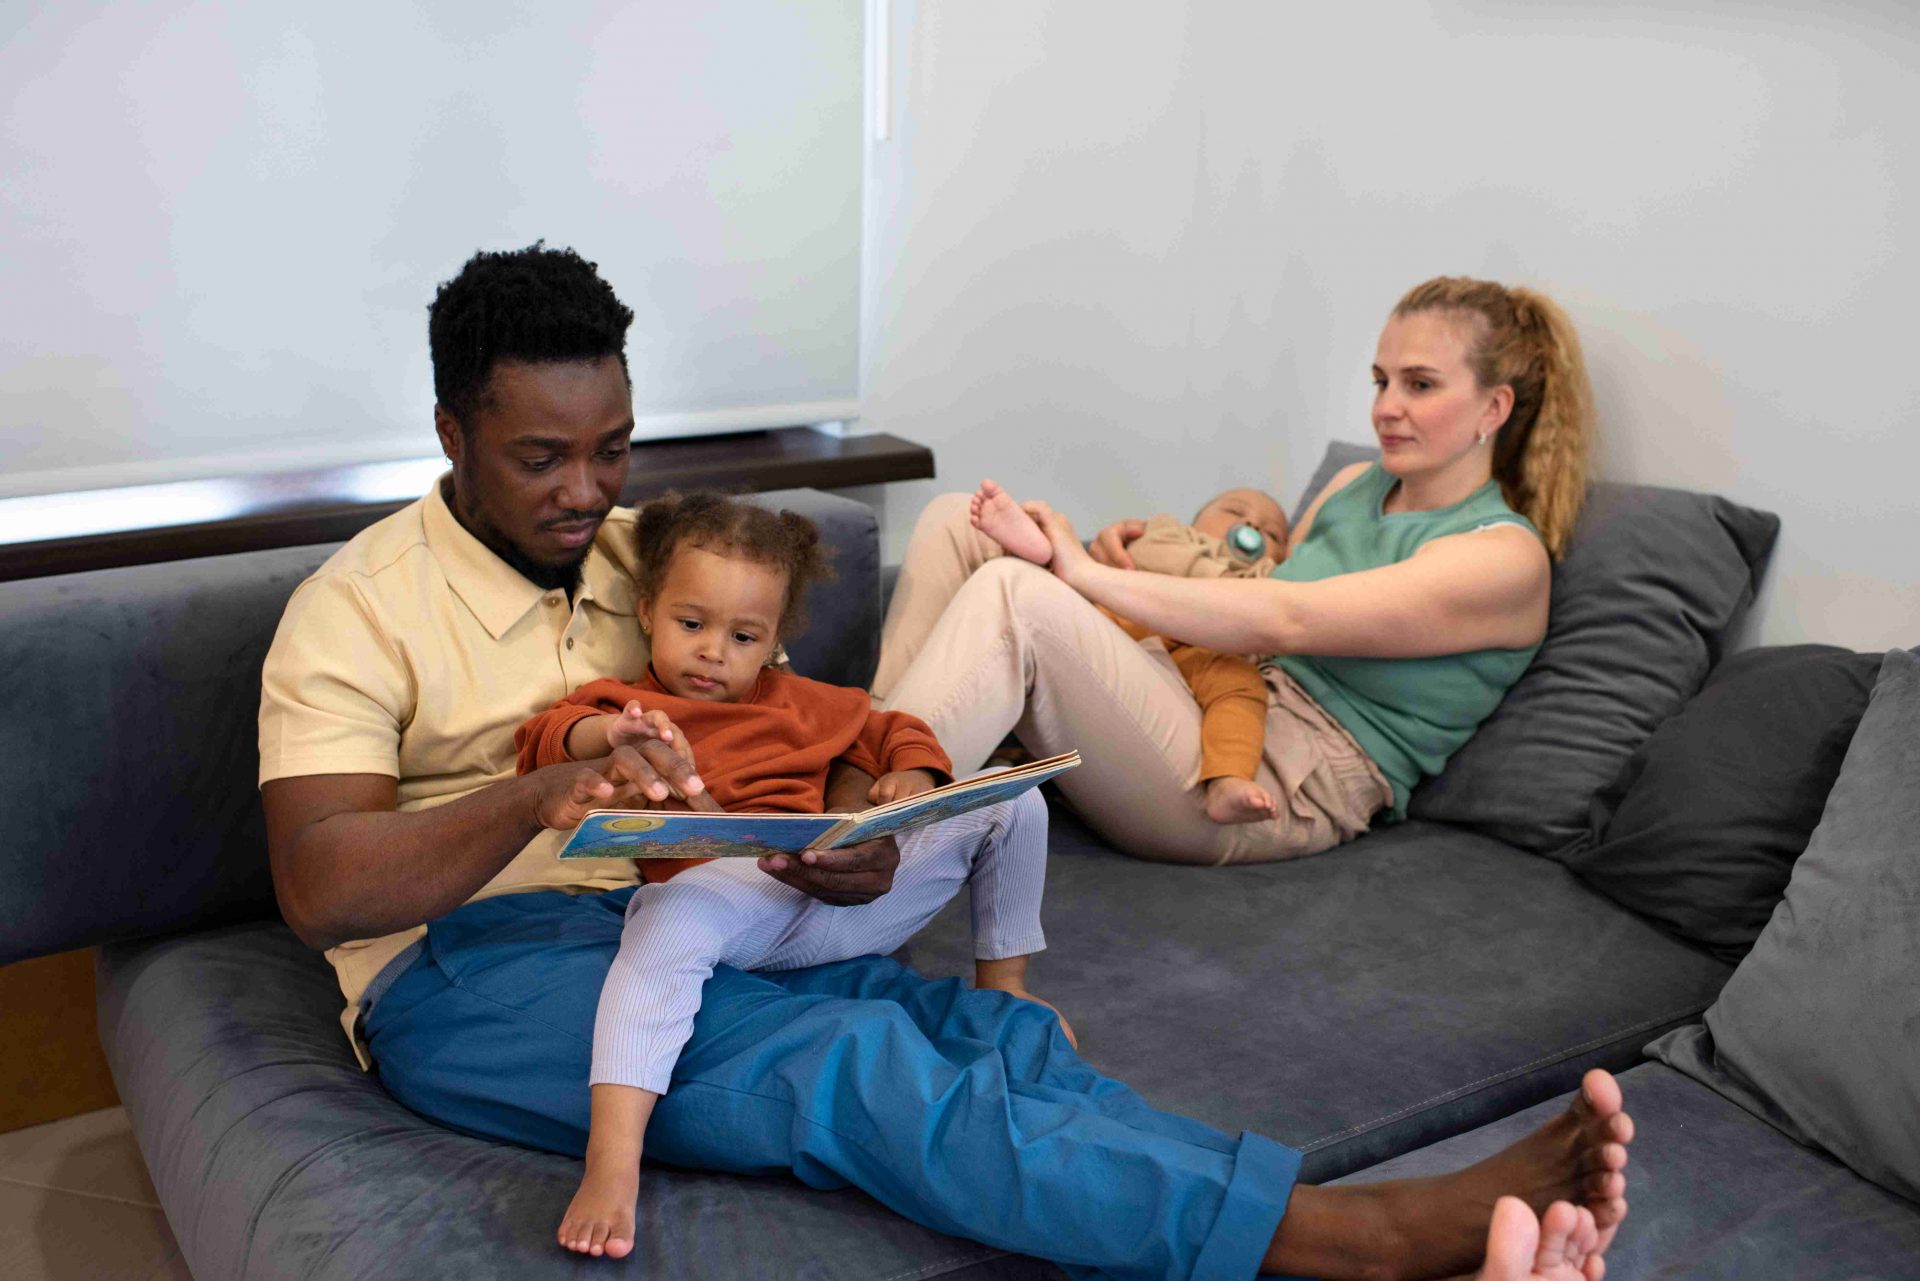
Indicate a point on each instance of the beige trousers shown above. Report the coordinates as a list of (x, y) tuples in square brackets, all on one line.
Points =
[(977, 643)]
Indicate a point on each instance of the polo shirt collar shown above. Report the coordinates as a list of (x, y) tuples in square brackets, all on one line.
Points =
[(498, 594)]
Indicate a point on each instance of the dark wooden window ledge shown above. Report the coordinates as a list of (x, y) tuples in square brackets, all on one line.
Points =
[(138, 525)]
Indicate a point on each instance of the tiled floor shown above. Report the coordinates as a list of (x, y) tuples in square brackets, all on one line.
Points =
[(76, 1205)]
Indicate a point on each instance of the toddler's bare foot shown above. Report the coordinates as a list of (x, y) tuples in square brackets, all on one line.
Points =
[(1560, 1245), (600, 1219), (1238, 800), (995, 514), (1025, 995)]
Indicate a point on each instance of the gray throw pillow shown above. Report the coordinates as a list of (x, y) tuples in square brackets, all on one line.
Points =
[(1652, 588), (1818, 1031), (1654, 583)]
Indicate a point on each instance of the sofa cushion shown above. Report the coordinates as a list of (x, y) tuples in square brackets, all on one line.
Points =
[(275, 1156), (1715, 1195), (1818, 1031), (1700, 830), (1653, 584), (116, 835), (1417, 982)]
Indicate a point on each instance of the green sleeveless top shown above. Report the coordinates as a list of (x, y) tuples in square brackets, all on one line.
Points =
[(1409, 714)]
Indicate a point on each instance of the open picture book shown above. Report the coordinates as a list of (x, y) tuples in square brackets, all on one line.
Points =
[(680, 834)]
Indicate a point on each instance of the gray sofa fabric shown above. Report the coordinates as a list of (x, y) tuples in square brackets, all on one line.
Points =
[(136, 831), (1414, 984), (1818, 1031), (1715, 1194)]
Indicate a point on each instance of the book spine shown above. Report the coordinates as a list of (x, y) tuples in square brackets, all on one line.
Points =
[(826, 839)]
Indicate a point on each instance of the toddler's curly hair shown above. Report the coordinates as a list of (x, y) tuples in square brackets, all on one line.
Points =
[(783, 540)]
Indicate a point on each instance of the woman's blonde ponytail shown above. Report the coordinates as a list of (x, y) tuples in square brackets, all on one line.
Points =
[(1523, 340)]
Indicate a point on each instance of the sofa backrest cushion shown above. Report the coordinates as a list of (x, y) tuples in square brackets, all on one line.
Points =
[(1653, 586), (1700, 831), (129, 715), (1818, 1030)]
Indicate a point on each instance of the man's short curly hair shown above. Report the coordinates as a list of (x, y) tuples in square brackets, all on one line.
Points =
[(534, 304), (786, 541)]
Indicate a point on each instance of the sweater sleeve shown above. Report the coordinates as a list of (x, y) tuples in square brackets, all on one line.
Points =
[(894, 741), (1172, 547), (542, 741)]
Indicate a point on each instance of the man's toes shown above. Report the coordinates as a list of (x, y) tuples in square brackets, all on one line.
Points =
[(1600, 1093), (1604, 1185)]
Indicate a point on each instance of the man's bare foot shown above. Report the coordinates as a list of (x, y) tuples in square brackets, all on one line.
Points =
[(995, 514), (1561, 1245), (1438, 1226), (1025, 995), (600, 1218), (1238, 800)]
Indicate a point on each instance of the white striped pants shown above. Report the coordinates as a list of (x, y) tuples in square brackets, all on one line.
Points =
[(730, 912)]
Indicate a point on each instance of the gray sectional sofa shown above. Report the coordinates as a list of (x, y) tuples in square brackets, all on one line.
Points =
[(1398, 1005)]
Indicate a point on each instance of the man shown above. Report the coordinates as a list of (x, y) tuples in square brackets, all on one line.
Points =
[(471, 959)]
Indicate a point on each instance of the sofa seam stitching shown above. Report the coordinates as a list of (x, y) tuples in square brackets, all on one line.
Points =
[(1459, 1091)]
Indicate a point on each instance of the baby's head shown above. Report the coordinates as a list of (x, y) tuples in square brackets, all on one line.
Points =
[(1246, 506), (722, 583)]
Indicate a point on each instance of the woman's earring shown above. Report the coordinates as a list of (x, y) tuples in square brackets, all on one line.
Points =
[(1483, 438)]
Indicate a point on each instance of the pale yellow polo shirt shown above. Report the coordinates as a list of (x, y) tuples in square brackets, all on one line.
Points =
[(415, 652)]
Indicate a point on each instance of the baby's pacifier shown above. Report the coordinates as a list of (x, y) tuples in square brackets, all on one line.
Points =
[(1246, 543)]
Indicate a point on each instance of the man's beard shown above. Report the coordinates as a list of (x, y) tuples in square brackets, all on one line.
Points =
[(546, 577)]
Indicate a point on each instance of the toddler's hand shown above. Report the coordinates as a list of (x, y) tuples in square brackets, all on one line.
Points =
[(899, 785), (635, 725)]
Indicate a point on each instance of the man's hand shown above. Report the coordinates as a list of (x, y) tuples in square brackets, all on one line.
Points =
[(851, 875), (634, 776), (901, 784), (1110, 544), (846, 877)]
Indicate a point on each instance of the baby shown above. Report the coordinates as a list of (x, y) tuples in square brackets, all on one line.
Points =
[(720, 586), (1239, 534)]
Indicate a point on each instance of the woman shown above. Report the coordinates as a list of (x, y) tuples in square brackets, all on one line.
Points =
[(1413, 596)]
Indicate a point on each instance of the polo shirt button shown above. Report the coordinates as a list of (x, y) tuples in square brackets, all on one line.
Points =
[(569, 642), (553, 600)]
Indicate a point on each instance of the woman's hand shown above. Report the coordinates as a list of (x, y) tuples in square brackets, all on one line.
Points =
[(1070, 559), (1110, 544)]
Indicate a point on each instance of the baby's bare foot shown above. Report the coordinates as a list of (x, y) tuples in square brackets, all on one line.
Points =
[(1560, 1245), (995, 514), (600, 1219), (1238, 800)]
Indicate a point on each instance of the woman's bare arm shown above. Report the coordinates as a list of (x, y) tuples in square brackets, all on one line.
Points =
[(1482, 590)]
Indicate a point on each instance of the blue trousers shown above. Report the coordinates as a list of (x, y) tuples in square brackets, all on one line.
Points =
[(966, 1111)]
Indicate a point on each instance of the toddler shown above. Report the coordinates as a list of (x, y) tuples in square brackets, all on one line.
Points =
[(1231, 693), (720, 585)]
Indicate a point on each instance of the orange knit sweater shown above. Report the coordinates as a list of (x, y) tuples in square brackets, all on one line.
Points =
[(767, 753)]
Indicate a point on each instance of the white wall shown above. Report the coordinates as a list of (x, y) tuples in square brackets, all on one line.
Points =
[(1124, 256)]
